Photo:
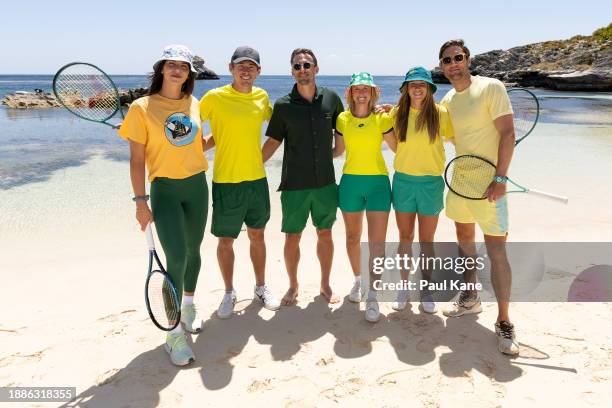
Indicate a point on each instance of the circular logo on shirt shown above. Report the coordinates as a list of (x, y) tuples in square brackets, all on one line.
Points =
[(179, 129)]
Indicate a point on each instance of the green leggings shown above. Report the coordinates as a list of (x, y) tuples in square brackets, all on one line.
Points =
[(180, 209)]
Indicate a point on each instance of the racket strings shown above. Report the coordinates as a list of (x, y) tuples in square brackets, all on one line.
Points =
[(525, 108), (469, 176), (163, 301), (87, 92)]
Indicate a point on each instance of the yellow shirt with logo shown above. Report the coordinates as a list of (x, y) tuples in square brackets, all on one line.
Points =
[(171, 132), (235, 121), (416, 155), (472, 112), (363, 141)]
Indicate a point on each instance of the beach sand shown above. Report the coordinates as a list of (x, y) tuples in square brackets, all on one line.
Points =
[(73, 263)]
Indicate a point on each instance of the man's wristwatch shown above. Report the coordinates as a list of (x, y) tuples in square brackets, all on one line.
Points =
[(500, 179)]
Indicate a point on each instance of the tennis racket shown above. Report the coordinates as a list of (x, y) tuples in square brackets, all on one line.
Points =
[(526, 110), (469, 176), (86, 91), (160, 294)]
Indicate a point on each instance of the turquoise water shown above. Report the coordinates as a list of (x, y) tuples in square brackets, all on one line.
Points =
[(36, 143)]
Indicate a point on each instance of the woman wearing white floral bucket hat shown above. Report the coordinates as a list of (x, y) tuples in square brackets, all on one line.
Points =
[(365, 180), (165, 135)]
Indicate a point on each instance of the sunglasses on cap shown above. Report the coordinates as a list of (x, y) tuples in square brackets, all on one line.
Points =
[(306, 65), (456, 58)]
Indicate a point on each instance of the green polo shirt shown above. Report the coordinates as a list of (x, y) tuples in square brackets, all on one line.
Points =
[(308, 130)]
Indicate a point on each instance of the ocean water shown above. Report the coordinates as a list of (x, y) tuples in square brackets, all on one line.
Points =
[(36, 143)]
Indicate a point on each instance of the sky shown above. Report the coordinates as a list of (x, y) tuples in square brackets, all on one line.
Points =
[(384, 37)]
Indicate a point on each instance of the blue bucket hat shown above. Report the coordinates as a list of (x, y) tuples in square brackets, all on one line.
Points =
[(419, 74)]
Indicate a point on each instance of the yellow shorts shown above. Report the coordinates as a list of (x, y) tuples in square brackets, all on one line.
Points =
[(492, 218)]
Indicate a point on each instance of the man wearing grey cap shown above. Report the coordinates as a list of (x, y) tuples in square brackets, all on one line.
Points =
[(240, 190)]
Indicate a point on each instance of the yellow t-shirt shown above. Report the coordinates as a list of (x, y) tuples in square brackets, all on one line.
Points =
[(171, 131), (472, 112), (235, 121), (363, 141), (416, 155)]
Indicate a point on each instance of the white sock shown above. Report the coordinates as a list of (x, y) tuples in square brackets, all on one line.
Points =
[(187, 300), (177, 330), (358, 278)]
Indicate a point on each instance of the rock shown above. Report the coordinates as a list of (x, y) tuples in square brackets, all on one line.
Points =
[(581, 63), (203, 71)]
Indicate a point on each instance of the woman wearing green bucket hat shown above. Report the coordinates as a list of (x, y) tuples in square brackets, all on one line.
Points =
[(421, 126), (365, 181)]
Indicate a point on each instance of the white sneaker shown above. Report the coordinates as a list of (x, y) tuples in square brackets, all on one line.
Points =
[(355, 295), (267, 298), (506, 338), (180, 352), (191, 318), (226, 308), (465, 304), (428, 304), (372, 313), (401, 301)]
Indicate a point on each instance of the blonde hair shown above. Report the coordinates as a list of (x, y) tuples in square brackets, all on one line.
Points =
[(371, 104)]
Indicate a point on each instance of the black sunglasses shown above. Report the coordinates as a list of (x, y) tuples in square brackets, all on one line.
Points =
[(298, 67), (456, 58)]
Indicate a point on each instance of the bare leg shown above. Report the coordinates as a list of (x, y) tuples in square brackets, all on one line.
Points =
[(353, 223), (501, 274), (325, 253), (377, 235), (225, 256), (405, 224), (466, 237), (427, 231), (292, 259), (258, 254)]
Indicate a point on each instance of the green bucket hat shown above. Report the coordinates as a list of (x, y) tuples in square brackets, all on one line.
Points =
[(419, 74), (362, 78)]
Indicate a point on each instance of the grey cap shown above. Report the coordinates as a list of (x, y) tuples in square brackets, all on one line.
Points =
[(245, 53)]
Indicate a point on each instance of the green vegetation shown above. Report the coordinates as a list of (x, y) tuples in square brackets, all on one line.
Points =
[(603, 33)]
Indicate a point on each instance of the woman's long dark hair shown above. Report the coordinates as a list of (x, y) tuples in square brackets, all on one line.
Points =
[(157, 79), (428, 116)]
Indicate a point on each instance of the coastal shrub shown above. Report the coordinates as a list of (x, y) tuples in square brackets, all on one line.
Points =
[(603, 33)]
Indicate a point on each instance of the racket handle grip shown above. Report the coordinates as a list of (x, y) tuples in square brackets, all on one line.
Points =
[(149, 234), (552, 197)]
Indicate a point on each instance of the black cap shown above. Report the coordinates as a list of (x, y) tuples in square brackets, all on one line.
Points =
[(245, 54)]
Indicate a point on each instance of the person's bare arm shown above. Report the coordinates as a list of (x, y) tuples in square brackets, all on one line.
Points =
[(208, 142), (391, 140), (338, 144), (268, 148), (505, 127), (137, 175)]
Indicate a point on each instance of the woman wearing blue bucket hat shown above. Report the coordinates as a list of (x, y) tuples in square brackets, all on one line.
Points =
[(365, 181), (421, 126)]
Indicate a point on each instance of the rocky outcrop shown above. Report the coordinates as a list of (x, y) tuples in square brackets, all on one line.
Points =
[(40, 100), (581, 63), (203, 71)]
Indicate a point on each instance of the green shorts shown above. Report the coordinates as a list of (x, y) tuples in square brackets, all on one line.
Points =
[(321, 203), (419, 194), (364, 192), (247, 202)]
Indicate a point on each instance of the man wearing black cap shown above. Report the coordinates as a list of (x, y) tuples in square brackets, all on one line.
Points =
[(240, 189)]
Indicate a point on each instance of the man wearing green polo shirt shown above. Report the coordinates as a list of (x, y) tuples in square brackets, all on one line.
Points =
[(305, 119), (240, 189)]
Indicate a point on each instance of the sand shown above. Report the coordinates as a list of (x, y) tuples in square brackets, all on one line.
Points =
[(73, 263)]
